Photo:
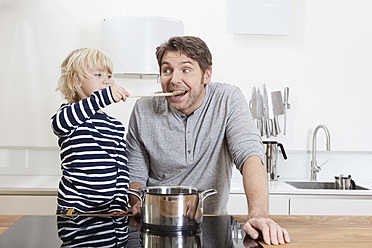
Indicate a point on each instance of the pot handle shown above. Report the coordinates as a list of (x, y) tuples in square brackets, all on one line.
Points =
[(136, 193), (207, 193)]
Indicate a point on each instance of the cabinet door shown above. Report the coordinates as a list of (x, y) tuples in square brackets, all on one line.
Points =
[(278, 205), (28, 205), (237, 204), (313, 206)]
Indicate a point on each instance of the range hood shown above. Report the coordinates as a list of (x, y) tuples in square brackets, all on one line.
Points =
[(131, 42)]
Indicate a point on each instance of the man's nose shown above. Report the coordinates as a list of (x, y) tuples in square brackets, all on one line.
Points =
[(176, 76)]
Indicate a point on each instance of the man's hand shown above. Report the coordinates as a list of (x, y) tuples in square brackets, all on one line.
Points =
[(136, 208), (256, 189), (272, 233), (134, 201)]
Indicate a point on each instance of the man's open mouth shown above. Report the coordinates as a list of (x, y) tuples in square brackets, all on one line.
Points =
[(179, 93)]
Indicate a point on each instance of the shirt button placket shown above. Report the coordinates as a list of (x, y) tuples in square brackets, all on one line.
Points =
[(188, 139)]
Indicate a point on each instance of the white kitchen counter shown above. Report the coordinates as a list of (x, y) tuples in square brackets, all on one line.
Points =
[(282, 188), (11, 184)]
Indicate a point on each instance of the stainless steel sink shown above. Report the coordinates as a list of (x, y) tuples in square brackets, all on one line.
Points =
[(318, 185)]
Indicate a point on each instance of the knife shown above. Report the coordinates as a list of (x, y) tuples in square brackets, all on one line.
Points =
[(271, 113), (286, 107), (253, 103), (278, 109), (278, 105), (260, 122), (267, 125)]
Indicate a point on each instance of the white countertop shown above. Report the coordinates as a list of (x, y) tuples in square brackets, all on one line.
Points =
[(49, 184), (282, 188)]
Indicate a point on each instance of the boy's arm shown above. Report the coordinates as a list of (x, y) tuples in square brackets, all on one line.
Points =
[(70, 116)]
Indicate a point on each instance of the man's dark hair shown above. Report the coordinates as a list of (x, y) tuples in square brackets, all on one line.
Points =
[(193, 47)]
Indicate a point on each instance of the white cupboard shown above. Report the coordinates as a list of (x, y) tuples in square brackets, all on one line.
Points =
[(278, 205), (330, 205), (28, 204), (307, 204), (237, 204)]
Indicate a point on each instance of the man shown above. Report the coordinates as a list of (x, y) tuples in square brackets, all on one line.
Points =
[(195, 138)]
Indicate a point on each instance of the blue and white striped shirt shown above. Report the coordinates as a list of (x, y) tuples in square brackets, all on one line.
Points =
[(93, 156), (93, 231)]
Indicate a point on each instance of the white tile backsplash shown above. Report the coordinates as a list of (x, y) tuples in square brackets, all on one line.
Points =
[(297, 165)]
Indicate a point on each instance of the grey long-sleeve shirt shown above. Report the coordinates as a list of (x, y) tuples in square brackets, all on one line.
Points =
[(166, 147)]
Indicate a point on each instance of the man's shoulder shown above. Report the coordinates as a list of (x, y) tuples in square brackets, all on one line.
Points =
[(217, 88), (223, 86)]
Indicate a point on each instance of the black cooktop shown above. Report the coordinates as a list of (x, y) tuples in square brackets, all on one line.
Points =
[(115, 231)]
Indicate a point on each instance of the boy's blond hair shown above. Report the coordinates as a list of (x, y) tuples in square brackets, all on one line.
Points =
[(76, 67)]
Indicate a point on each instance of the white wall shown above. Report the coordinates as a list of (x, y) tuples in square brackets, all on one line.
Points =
[(326, 62)]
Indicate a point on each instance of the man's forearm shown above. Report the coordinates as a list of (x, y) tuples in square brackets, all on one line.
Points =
[(256, 187)]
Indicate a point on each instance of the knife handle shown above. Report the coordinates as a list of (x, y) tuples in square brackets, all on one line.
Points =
[(263, 126), (269, 128), (276, 127), (286, 98), (286, 106)]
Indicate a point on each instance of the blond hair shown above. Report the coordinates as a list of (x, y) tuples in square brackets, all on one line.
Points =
[(75, 68)]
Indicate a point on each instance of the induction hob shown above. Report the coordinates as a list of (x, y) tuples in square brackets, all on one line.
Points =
[(119, 231)]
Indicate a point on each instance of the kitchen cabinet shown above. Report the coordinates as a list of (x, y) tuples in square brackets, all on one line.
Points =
[(46, 204), (28, 204), (22, 194), (319, 204), (237, 204), (330, 205), (278, 205)]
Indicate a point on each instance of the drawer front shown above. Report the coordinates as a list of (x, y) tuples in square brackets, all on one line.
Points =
[(330, 206), (237, 204), (28, 205)]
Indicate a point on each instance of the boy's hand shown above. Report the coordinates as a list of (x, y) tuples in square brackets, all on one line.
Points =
[(119, 93)]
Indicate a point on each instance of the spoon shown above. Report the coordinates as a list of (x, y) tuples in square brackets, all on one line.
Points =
[(174, 93)]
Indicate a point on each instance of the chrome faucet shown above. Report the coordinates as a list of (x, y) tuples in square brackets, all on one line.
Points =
[(314, 166)]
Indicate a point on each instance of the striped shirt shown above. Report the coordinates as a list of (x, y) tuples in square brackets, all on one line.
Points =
[(93, 156), (92, 231)]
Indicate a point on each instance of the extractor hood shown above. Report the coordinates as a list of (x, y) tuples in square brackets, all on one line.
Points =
[(131, 42)]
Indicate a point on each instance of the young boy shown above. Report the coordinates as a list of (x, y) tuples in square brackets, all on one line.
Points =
[(93, 151)]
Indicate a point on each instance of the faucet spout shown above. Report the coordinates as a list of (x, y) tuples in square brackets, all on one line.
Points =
[(314, 166)]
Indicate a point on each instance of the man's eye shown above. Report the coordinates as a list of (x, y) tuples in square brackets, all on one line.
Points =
[(166, 71), (187, 70)]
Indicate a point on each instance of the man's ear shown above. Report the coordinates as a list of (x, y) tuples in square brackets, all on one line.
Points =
[(208, 75)]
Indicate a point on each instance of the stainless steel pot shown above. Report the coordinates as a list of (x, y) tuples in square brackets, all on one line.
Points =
[(344, 183), (171, 207), (176, 239)]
